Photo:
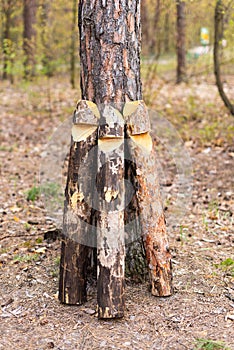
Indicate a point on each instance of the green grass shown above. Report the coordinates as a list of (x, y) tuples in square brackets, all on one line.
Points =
[(49, 189), (26, 257), (6, 149), (33, 193), (208, 344), (227, 266)]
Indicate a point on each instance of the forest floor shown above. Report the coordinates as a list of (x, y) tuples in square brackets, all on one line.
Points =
[(200, 314)]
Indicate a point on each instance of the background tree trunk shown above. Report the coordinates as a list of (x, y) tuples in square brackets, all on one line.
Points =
[(29, 17), (7, 10), (73, 44), (145, 26), (219, 20), (181, 42), (45, 38), (166, 33), (155, 41)]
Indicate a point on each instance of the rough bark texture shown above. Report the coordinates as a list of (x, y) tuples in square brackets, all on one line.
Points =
[(29, 17), (181, 49), (78, 229), (110, 50), (110, 221), (219, 11), (152, 219), (110, 72)]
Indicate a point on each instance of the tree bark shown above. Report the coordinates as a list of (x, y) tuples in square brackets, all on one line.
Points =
[(181, 42), (110, 220), (153, 227), (29, 34), (110, 76), (78, 230), (110, 73), (110, 51), (219, 10)]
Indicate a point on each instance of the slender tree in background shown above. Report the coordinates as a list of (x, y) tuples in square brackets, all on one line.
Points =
[(167, 32), (219, 25), (181, 41), (73, 43), (155, 40), (145, 19), (8, 7), (47, 56), (110, 73), (29, 34)]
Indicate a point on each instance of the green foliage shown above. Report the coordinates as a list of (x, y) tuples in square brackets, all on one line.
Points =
[(27, 226), (33, 194), (39, 240), (26, 257), (57, 261), (227, 266), (53, 38), (208, 344), (227, 262)]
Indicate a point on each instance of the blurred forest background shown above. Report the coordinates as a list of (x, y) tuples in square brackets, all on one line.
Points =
[(40, 38)]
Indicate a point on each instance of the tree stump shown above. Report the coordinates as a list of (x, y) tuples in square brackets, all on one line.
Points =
[(110, 222), (153, 228), (78, 209)]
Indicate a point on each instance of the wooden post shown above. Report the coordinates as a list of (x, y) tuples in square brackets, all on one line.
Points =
[(149, 201), (77, 224), (110, 222)]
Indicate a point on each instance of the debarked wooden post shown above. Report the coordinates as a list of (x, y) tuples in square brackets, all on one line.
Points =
[(78, 230), (152, 219), (110, 221)]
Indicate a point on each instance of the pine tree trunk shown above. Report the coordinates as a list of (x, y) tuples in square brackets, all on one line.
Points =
[(110, 72), (29, 17), (181, 42), (110, 75)]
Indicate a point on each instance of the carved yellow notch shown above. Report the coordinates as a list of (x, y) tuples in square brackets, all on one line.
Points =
[(138, 125), (86, 118), (136, 117), (144, 141)]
